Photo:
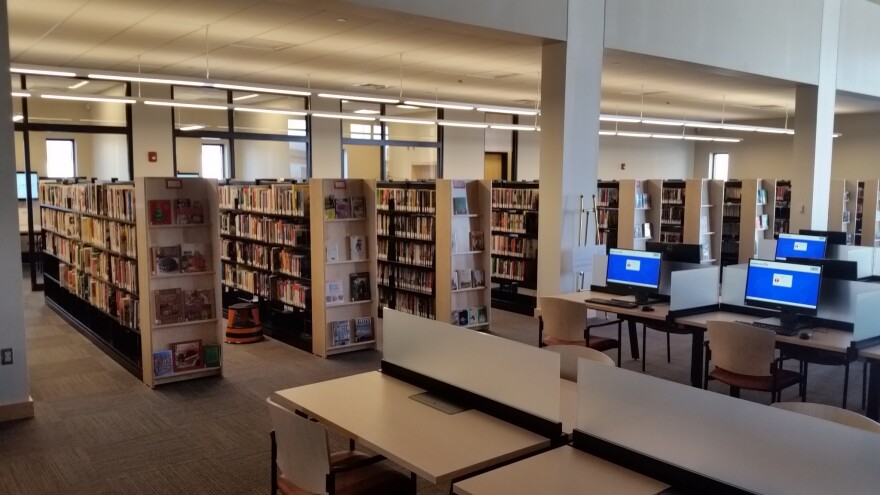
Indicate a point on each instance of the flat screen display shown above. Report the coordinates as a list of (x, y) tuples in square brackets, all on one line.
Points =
[(634, 268), (20, 185), (800, 246), (779, 285)]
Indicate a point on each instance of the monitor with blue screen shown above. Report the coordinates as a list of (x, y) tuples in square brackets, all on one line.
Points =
[(637, 272), (800, 246), (790, 288)]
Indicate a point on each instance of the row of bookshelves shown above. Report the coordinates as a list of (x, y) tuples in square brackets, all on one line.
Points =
[(513, 236), (507, 221), (408, 227), (410, 199), (522, 197), (283, 199), (111, 200), (283, 260)]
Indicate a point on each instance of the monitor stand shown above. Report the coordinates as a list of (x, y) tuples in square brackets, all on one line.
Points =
[(643, 297)]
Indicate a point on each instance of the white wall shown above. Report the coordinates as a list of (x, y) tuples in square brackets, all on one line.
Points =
[(858, 68), (326, 141), (464, 148), (528, 158), (645, 158), (152, 129)]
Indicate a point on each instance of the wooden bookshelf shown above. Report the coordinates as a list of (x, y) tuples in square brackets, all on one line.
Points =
[(670, 216), (607, 212), (630, 211), (744, 219), (700, 223), (343, 260), (514, 203), (90, 263), (781, 207), (842, 206), (179, 262)]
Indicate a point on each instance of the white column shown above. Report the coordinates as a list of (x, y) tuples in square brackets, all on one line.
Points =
[(14, 377), (814, 126), (151, 127), (571, 78)]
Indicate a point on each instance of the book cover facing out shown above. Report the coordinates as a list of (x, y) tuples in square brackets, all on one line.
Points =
[(160, 212)]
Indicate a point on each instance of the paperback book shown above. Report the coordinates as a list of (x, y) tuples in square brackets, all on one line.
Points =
[(189, 211), (160, 212), (455, 282), (168, 306), (476, 241), (193, 257), (166, 259), (478, 278), (343, 208), (163, 363), (212, 356), (358, 207), (329, 208), (459, 206), (465, 279), (363, 329), (334, 292), (340, 332), (198, 304), (187, 355), (357, 247), (332, 252), (359, 286)]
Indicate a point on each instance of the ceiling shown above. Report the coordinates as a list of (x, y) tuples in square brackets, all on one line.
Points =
[(333, 46)]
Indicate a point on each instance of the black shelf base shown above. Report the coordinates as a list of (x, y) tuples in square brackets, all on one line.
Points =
[(510, 300)]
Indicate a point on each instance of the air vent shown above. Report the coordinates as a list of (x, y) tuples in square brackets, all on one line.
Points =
[(262, 44), (373, 86)]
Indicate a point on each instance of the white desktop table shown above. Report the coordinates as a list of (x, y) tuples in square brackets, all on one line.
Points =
[(376, 410), (562, 471)]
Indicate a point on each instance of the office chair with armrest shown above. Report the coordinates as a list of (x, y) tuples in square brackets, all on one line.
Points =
[(571, 353), (300, 449), (563, 323), (668, 330), (831, 413), (745, 358)]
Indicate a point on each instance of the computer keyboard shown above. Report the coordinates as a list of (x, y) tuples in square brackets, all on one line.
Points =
[(787, 332), (617, 303)]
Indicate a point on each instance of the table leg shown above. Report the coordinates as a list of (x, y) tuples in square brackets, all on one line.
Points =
[(633, 339), (697, 357), (873, 409)]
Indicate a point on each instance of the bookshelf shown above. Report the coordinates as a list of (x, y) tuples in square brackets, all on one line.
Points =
[(700, 220), (842, 205), (607, 212), (90, 263), (871, 214), (514, 203), (859, 213), (265, 254), (344, 291), (781, 207), (463, 261), (672, 210), (632, 207), (406, 245), (744, 220), (180, 323)]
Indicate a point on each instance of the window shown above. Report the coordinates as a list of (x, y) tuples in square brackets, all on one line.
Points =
[(60, 158), (296, 127), (718, 166), (213, 161), (365, 131)]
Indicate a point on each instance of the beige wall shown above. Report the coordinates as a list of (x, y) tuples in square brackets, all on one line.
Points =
[(363, 161), (645, 158)]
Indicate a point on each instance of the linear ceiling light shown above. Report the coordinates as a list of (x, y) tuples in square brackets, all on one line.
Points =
[(185, 105), (21, 94), (668, 122), (619, 118), (509, 111), (101, 99), (634, 134), (367, 111), (17, 118), (475, 125), (78, 85), (408, 121), (245, 97), (408, 107), (40, 72), (274, 111), (607, 133), (276, 91), (433, 104), (655, 135), (505, 127), (346, 116), (358, 98), (192, 127), (149, 80)]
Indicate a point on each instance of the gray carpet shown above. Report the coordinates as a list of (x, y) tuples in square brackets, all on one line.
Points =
[(98, 430)]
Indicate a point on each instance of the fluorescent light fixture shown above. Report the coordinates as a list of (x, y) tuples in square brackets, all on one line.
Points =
[(774, 130), (192, 127), (509, 111), (438, 105), (21, 94), (835, 135), (703, 125), (697, 138), (667, 136), (245, 97), (512, 127), (101, 99), (78, 85), (619, 118), (672, 123), (726, 140), (475, 125), (366, 111), (358, 98), (607, 133), (408, 107), (185, 105), (634, 134), (341, 116), (149, 80), (17, 118), (275, 111), (290, 92), (407, 121), (41, 72)]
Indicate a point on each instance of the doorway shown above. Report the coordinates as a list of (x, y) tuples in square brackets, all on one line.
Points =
[(495, 166)]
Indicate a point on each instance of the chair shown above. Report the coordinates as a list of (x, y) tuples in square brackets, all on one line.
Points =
[(300, 449), (831, 413), (565, 323), (570, 354), (805, 356), (745, 358), (668, 329)]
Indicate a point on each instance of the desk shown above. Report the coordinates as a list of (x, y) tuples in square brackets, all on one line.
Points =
[(376, 410), (561, 471), (872, 355)]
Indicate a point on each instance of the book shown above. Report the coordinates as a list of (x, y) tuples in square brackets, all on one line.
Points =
[(359, 286), (198, 304), (167, 302), (358, 207), (160, 212), (478, 278), (334, 292), (476, 241), (459, 206), (166, 259), (332, 251), (357, 247), (465, 279), (329, 208), (343, 208), (472, 316), (193, 257), (196, 212), (462, 317), (340, 332), (363, 329), (212, 356), (181, 211), (454, 280), (163, 363), (454, 318), (187, 355), (482, 315)]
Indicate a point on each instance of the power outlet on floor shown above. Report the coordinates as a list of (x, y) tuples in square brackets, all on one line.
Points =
[(5, 356)]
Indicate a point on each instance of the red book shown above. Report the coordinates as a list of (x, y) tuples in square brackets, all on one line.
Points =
[(160, 212)]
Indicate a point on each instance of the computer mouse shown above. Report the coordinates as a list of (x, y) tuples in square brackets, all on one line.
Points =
[(805, 335), (647, 308)]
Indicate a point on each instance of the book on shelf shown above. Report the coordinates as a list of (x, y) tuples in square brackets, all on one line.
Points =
[(334, 292), (460, 317), (363, 329), (357, 247), (329, 208), (189, 211), (194, 257), (340, 332), (359, 286), (163, 363), (198, 304), (187, 355), (332, 251), (465, 279), (160, 211), (358, 207), (166, 259), (479, 278), (212, 356), (459, 206), (343, 208), (168, 306), (455, 282), (476, 240), (472, 314), (482, 315)]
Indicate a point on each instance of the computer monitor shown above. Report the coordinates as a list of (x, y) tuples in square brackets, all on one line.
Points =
[(21, 182), (836, 269), (791, 288), (637, 272), (800, 246), (833, 237), (674, 251)]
